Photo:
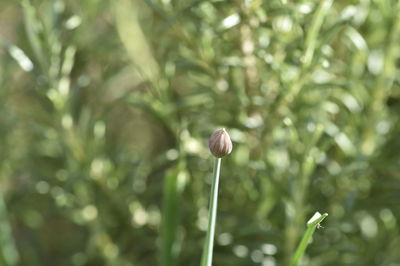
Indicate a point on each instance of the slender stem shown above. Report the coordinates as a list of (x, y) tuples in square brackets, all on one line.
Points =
[(206, 259), (312, 36), (311, 225)]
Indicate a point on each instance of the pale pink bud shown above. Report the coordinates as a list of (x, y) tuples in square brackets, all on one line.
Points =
[(220, 143)]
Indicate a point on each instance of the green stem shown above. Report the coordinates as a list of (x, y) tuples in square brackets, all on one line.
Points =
[(312, 36), (311, 225), (206, 259)]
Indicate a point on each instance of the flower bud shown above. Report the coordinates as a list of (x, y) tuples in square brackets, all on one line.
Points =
[(220, 143)]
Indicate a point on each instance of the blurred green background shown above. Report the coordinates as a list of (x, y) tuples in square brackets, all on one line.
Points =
[(106, 108)]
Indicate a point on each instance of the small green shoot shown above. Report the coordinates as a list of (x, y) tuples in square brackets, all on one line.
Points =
[(313, 223)]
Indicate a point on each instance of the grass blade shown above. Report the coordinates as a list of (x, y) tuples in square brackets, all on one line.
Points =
[(8, 252), (173, 187), (311, 225), (33, 28)]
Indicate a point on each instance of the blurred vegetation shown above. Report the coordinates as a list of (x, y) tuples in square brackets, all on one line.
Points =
[(106, 108)]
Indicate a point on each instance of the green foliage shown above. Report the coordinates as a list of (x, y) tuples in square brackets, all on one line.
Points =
[(106, 107)]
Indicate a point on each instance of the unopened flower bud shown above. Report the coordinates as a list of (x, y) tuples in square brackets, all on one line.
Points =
[(220, 143)]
